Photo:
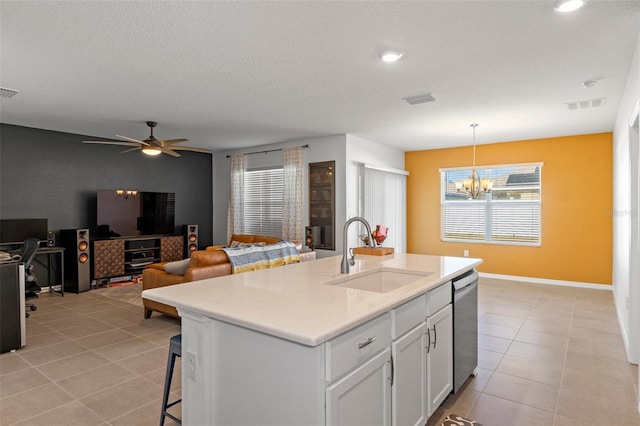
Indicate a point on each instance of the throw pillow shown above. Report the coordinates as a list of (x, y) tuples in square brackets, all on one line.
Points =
[(179, 267), (235, 244)]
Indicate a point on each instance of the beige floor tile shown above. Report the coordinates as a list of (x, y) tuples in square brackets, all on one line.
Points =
[(490, 410), (51, 353), (524, 391), (147, 361), (536, 352), (20, 381), (497, 330), (493, 344), (122, 398), (127, 348), (100, 340), (579, 331), (95, 380), (21, 406), (43, 340), (36, 328), (563, 317), (72, 365), (70, 414), (11, 362), (560, 420), (502, 310), (480, 381), (162, 337), (87, 328), (619, 370), (462, 402), (489, 360), (93, 308), (595, 348), (547, 327), (556, 341), (152, 325), (148, 415), (538, 370), (504, 320)]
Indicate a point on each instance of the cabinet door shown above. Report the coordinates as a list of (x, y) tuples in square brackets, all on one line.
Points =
[(362, 397), (409, 390), (439, 357)]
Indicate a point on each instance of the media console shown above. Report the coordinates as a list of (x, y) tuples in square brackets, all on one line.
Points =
[(128, 256)]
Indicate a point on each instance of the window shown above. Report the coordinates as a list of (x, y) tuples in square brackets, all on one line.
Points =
[(509, 214), (263, 195)]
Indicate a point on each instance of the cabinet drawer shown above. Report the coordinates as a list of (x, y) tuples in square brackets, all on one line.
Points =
[(438, 298), (347, 351), (407, 316)]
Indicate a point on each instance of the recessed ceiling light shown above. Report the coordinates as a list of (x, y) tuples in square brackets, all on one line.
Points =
[(568, 5), (390, 55), (589, 83)]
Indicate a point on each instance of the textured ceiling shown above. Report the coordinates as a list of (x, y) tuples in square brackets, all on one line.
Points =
[(237, 74)]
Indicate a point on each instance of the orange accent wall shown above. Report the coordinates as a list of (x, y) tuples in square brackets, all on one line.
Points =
[(577, 204)]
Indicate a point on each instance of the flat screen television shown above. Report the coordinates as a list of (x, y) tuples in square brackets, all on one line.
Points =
[(123, 214), (15, 231)]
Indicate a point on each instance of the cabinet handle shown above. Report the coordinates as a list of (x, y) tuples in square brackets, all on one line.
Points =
[(428, 339), (392, 370), (369, 341), (435, 336)]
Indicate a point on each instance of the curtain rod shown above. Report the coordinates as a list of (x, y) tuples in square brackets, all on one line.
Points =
[(269, 150)]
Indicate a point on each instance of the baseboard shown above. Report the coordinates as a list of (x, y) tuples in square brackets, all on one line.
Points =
[(532, 280)]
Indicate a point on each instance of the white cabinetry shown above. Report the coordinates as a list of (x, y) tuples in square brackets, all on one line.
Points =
[(439, 357), (362, 397)]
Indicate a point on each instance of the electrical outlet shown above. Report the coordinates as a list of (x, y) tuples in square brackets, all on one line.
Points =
[(191, 363), (466, 253)]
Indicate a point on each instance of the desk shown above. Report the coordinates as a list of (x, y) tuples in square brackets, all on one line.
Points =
[(51, 267)]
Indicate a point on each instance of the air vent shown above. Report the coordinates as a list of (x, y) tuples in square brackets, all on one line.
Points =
[(420, 99), (7, 93), (587, 103)]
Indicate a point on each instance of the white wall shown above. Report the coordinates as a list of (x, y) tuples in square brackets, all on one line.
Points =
[(625, 271)]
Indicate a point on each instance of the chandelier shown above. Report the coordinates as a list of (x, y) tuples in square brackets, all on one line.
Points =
[(473, 185)]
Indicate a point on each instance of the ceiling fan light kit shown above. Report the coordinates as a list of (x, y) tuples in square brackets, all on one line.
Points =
[(566, 6), (390, 55), (151, 145)]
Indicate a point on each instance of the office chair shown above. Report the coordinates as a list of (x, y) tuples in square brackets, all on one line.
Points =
[(31, 287)]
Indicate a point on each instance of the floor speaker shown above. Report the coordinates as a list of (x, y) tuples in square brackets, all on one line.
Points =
[(190, 239), (51, 239), (312, 236), (77, 267)]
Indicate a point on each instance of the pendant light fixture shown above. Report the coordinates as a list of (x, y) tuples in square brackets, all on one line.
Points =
[(473, 185)]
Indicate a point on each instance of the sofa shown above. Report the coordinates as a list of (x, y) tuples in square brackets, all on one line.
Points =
[(209, 263)]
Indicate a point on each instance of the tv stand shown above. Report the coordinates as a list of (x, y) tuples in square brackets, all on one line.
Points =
[(129, 256)]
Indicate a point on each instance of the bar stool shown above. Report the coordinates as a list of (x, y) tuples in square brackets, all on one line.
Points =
[(175, 349)]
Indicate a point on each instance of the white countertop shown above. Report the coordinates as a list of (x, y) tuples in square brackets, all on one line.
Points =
[(292, 302)]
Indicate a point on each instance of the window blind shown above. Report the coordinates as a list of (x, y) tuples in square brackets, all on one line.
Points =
[(509, 214), (263, 197), (384, 202)]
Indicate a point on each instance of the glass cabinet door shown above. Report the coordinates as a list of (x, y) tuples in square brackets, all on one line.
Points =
[(322, 203)]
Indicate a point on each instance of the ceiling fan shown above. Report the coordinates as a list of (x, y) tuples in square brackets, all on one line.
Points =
[(151, 145)]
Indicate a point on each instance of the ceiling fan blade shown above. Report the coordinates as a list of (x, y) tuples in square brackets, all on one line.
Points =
[(191, 148), (169, 152), (129, 150), (112, 143), (172, 141), (133, 140)]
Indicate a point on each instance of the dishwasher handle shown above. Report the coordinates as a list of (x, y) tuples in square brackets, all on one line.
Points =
[(466, 281)]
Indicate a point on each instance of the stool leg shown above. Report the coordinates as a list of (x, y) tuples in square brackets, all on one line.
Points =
[(167, 385)]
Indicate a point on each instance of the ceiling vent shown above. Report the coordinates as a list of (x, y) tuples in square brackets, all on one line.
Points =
[(7, 93), (588, 103), (420, 99)]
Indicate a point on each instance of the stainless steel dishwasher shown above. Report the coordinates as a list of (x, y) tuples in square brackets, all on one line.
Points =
[(465, 328)]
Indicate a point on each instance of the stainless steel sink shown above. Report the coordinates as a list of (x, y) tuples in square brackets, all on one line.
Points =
[(380, 280)]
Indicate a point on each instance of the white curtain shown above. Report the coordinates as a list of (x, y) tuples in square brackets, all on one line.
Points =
[(292, 163), (235, 214)]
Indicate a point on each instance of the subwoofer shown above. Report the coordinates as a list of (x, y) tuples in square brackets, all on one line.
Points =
[(77, 267), (190, 239), (312, 236)]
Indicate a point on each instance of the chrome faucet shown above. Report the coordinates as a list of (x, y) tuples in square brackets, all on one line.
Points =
[(346, 260)]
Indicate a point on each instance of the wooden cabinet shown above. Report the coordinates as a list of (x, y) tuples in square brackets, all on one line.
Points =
[(439, 357), (128, 256), (322, 202)]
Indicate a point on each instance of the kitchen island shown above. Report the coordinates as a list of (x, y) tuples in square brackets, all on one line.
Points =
[(304, 344)]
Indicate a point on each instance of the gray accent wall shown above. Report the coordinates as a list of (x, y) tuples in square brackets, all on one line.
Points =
[(53, 175)]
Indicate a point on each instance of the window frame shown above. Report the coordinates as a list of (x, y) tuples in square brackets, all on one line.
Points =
[(488, 202)]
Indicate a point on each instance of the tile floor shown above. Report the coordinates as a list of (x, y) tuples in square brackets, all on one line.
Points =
[(547, 356)]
